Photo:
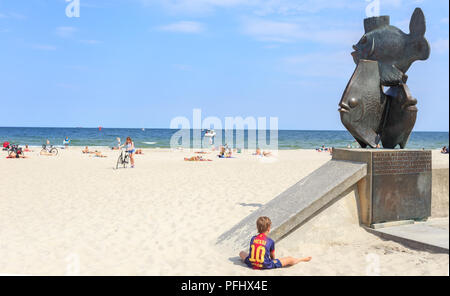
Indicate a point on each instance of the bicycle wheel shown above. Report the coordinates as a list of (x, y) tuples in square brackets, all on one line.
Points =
[(119, 161), (126, 160), (54, 151)]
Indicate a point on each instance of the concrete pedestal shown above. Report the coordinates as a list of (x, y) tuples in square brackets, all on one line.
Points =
[(397, 185)]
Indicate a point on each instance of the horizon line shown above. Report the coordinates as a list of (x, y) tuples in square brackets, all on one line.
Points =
[(165, 128)]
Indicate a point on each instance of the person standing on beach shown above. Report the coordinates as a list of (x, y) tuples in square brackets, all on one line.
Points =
[(66, 142), (130, 149)]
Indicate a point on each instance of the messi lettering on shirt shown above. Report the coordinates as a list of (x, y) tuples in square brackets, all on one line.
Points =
[(261, 249)]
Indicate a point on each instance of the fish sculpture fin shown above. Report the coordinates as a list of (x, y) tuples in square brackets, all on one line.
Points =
[(361, 143), (372, 50), (391, 75), (417, 26)]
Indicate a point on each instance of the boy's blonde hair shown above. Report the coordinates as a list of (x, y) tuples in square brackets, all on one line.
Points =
[(263, 224)]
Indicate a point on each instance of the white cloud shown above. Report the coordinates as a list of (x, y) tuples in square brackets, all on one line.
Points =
[(259, 7), (66, 85), (91, 42), (12, 15), (65, 32), (403, 24), (44, 47), (440, 46), (182, 67), (293, 7), (391, 3), (273, 31), (195, 6), (322, 64), (183, 27)]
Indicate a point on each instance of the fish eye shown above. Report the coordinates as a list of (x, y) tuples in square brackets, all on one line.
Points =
[(353, 102), (364, 40)]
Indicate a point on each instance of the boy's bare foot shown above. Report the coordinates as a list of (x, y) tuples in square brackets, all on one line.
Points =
[(307, 259), (298, 260), (289, 261)]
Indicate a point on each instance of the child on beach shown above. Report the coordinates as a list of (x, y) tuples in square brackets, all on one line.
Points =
[(118, 145), (27, 149), (66, 142), (262, 250), (129, 144)]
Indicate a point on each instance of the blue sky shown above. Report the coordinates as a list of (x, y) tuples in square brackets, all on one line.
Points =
[(140, 63)]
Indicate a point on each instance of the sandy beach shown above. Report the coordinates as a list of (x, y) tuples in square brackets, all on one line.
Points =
[(75, 214)]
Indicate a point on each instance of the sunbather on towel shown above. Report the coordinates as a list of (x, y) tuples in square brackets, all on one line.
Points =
[(196, 158)]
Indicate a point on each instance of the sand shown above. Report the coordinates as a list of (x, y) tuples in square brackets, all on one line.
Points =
[(74, 214)]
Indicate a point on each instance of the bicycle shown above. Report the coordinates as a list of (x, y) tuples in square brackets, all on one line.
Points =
[(49, 149), (123, 160)]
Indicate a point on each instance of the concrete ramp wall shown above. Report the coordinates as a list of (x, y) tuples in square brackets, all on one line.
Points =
[(440, 193), (299, 203)]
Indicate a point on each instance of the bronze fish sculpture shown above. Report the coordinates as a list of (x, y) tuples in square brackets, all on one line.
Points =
[(363, 103), (402, 109), (383, 56), (393, 49)]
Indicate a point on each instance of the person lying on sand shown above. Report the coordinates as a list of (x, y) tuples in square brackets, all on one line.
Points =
[(138, 151), (262, 250), (196, 158), (27, 149), (225, 152), (263, 153), (98, 154), (87, 151), (14, 155)]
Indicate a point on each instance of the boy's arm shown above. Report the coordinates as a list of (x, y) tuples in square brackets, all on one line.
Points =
[(272, 251), (272, 255)]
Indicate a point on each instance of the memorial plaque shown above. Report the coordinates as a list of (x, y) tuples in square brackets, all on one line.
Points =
[(401, 163), (401, 185), (397, 186)]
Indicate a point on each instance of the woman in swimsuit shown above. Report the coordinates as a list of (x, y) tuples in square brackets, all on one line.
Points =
[(130, 149)]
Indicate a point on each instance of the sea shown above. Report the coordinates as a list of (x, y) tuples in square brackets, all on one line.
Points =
[(160, 138)]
